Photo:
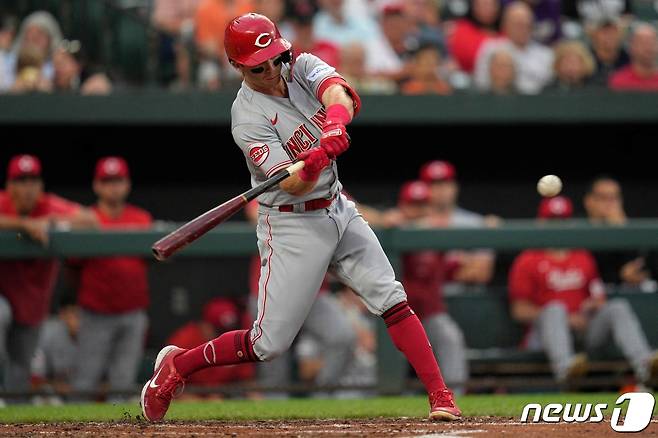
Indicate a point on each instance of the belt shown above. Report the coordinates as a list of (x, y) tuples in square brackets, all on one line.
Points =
[(310, 205)]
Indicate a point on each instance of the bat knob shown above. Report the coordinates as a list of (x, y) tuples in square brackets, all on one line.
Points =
[(158, 254)]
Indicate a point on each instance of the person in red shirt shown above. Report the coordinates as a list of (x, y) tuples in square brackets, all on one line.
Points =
[(558, 294), (468, 34), (26, 286), (112, 291), (642, 73), (219, 315), (423, 278)]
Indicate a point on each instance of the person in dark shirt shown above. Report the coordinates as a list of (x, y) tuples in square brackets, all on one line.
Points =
[(604, 205)]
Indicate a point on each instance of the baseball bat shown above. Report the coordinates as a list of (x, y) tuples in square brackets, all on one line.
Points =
[(192, 230)]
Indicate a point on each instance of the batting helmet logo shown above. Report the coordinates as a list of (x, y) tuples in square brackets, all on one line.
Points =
[(266, 43), (252, 39)]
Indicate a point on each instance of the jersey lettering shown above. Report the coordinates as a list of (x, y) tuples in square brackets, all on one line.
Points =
[(301, 140), (319, 118)]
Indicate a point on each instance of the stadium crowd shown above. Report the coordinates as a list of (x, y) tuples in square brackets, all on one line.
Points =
[(559, 295), (410, 47)]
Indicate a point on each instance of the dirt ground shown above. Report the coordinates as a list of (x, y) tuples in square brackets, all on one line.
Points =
[(484, 427)]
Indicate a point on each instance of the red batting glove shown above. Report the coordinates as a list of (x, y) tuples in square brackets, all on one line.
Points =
[(334, 138), (314, 161)]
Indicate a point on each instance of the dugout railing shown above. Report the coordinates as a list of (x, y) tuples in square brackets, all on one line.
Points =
[(490, 333)]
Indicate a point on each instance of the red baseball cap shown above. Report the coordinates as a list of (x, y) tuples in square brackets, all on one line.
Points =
[(557, 207), (392, 7), (111, 167), (438, 171), (23, 165), (414, 191), (221, 313)]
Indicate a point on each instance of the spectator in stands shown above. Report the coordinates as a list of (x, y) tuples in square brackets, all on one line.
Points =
[(576, 12), (306, 42), (211, 19), (41, 33), (469, 33), (176, 19), (387, 53), (112, 291), (56, 355), (573, 67), (424, 274), (604, 205), (71, 76), (426, 16), (331, 23), (547, 13), (558, 294), (220, 315), (606, 38), (534, 60), (472, 267), (642, 73), (29, 72), (353, 69), (7, 34), (502, 72), (425, 77), (26, 286)]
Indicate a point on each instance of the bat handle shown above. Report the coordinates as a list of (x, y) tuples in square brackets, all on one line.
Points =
[(293, 169)]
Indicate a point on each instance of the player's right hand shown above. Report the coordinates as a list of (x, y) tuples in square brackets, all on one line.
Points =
[(314, 161)]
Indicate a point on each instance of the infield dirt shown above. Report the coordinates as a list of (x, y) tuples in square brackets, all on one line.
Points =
[(485, 427)]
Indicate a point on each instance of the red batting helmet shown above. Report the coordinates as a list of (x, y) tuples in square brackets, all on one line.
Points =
[(557, 207), (252, 39)]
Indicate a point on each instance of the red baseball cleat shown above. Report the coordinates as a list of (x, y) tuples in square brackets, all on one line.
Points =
[(163, 386), (443, 407)]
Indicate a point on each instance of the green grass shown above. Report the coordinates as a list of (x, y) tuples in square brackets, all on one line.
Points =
[(471, 405)]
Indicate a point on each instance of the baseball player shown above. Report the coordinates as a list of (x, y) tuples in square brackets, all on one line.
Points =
[(325, 322), (425, 273), (558, 293), (287, 112), (113, 291), (26, 286)]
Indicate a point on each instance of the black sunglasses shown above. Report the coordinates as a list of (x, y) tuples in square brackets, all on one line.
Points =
[(276, 62)]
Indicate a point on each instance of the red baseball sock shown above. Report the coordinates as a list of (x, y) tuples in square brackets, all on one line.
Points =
[(229, 348), (409, 337)]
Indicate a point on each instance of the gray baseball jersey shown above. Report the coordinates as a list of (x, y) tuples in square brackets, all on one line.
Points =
[(272, 131), (296, 248)]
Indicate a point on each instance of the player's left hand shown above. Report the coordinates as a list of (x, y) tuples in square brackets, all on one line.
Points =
[(335, 139)]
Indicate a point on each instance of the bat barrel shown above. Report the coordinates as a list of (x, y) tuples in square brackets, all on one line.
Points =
[(191, 231)]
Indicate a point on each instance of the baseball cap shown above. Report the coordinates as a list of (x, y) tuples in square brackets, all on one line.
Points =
[(557, 207), (437, 171), (221, 313), (111, 167), (391, 7), (23, 165), (414, 191)]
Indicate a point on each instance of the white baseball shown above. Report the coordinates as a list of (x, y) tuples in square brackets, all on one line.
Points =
[(549, 185)]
